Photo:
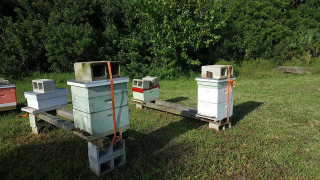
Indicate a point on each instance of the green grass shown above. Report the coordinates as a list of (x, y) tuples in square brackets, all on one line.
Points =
[(276, 135)]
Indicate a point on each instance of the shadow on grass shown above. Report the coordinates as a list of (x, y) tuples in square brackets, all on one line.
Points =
[(64, 157), (241, 110), (154, 149), (177, 99), (45, 157)]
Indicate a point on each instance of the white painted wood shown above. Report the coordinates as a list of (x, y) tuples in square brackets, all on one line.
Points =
[(47, 103), (100, 103), (36, 111), (8, 104), (98, 91), (213, 80), (30, 95), (214, 95), (73, 82), (147, 95), (215, 110), (7, 86)]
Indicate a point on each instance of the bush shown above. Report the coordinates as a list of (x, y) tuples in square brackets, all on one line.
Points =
[(162, 38)]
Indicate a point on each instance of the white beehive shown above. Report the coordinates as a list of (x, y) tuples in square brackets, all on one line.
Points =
[(92, 105), (212, 98), (47, 101), (146, 89)]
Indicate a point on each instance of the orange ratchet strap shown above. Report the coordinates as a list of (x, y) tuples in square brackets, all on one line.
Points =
[(229, 89), (113, 109)]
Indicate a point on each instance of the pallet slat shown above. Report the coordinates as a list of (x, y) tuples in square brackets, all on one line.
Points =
[(65, 125), (173, 108), (66, 114)]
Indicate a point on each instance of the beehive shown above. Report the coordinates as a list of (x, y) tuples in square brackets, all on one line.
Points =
[(8, 99), (92, 105), (212, 98), (146, 89)]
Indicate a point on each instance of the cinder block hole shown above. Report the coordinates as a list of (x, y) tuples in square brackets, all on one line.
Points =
[(105, 166), (224, 72), (40, 85), (135, 83), (118, 161), (140, 84), (105, 152), (115, 68), (35, 85), (118, 146), (99, 71)]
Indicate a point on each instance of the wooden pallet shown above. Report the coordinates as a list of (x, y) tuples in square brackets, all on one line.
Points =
[(51, 118), (184, 111)]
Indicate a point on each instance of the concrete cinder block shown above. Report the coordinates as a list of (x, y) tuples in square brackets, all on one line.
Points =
[(97, 154), (105, 166), (3, 81), (94, 71), (154, 81), (216, 71), (43, 85), (141, 84)]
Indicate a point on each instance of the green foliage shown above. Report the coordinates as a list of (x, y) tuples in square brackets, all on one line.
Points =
[(164, 38)]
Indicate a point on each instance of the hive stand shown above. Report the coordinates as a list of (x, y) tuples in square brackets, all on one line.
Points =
[(184, 111), (103, 156)]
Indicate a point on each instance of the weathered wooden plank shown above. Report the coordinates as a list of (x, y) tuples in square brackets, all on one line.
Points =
[(175, 106), (66, 114), (171, 108), (65, 125), (295, 70), (7, 108), (36, 111)]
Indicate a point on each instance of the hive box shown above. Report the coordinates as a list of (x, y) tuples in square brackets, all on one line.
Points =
[(216, 71), (43, 85), (101, 122), (212, 98), (146, 95), (92, 105), (8, 99), (95, 99), (98, 70), (48, 101)]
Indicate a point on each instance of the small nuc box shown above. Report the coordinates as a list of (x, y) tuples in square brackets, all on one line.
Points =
[(97, 70), (43, 85), (216, 71)]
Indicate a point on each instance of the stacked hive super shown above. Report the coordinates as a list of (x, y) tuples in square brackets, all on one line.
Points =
[(146, 89), (45, 97), (212, 92), (92, 111), (8, 99)]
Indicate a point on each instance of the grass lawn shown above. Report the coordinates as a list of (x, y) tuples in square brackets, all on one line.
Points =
[(275, 135)]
